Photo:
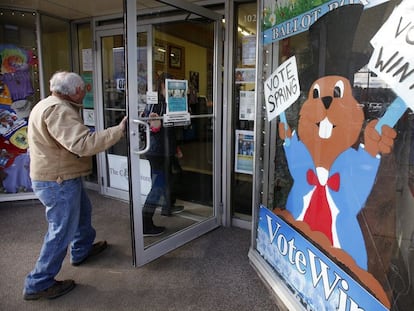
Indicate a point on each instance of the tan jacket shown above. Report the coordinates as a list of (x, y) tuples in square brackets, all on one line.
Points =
[(60, 145)]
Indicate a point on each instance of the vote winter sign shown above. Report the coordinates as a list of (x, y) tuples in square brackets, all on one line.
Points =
[(393, 60)]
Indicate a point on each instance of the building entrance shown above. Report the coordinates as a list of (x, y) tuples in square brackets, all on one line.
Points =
[(168, 167)]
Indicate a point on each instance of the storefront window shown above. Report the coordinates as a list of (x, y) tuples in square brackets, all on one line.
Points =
[(336, 224), (55, 47), (19, 90)]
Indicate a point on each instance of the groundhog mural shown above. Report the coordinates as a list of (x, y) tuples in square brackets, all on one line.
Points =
[(332, 178)]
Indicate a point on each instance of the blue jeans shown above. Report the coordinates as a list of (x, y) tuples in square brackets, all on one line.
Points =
[(159, 194), (68, 212)]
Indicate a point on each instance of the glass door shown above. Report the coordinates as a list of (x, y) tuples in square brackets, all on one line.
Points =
[(113, 163), (175, 130)]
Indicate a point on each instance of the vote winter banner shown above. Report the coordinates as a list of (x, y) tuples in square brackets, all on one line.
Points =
[(312, 276)]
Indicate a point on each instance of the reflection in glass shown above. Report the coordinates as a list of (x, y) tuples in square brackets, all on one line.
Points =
[(185, 189), (113, 81)]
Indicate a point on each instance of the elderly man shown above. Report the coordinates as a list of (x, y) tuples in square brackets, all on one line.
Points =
[(61, 147)]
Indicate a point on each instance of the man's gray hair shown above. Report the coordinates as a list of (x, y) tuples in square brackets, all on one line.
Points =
[(66, 83)]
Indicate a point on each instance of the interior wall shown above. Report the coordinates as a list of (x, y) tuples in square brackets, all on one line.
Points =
[(55, 47), (195, 59)]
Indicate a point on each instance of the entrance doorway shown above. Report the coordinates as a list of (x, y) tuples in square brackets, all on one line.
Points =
[(191, 185)]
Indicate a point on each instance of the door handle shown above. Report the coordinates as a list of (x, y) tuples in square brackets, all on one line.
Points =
[(137, 151)]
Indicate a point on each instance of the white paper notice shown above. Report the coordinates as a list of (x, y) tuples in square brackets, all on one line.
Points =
[(87, 63), (247, 105)]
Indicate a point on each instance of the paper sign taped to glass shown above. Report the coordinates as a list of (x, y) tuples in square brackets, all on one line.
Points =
[(177, 104)]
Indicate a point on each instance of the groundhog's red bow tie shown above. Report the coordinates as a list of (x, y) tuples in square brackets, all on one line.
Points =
[(318, 215), (333, 181)]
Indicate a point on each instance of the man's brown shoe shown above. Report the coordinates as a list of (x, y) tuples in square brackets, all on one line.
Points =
[(56, 290), (96, 249)]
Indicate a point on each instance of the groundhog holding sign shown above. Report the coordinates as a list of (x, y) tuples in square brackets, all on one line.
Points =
[(332, 180)]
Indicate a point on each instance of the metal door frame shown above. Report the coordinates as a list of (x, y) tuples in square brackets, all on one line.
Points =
[(142, 254), (116, 29)]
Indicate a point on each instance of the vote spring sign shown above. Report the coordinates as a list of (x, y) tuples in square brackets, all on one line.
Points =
[(282, 88)]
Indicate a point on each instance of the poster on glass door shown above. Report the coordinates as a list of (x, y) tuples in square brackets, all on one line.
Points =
[(177, 103)]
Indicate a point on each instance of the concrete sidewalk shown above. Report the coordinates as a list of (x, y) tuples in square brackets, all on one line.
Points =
[(211, 273)]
